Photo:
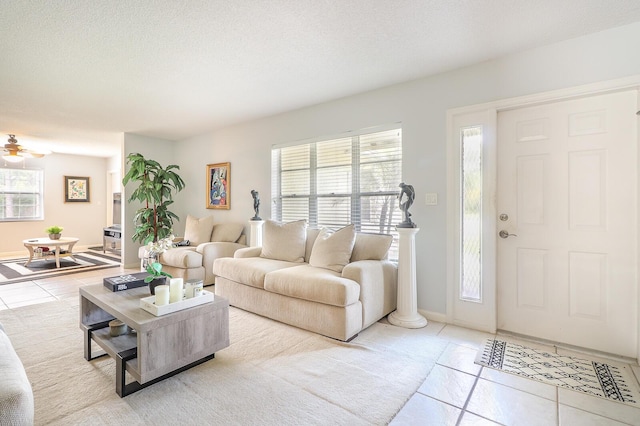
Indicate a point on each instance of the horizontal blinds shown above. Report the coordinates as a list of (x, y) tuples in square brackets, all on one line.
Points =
[(340, 181)]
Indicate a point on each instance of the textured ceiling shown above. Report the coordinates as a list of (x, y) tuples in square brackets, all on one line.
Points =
[(76, 74)]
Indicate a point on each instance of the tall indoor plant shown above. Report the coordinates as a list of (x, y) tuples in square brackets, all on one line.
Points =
[(156, 185)]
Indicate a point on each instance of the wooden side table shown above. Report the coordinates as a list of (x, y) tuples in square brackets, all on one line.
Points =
[(32, 243)]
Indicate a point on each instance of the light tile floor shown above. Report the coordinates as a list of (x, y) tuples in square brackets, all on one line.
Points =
[(459, 392), (456, 392)]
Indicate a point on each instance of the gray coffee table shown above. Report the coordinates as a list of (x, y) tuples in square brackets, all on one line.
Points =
[(161, 346)]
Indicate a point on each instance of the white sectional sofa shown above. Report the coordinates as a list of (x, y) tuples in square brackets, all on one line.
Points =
[(207, 242), (16, 395), (332, 283)]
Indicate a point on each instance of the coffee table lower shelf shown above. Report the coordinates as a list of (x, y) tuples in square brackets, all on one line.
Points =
[(124, 350)]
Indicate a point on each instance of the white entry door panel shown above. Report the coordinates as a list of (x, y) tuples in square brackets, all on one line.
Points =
[(567, 176)]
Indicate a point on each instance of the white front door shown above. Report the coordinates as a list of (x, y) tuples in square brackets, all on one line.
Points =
[(567, 174)]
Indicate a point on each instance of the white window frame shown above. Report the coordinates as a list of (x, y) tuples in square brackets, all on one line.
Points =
[(477, 314), (39, 191)]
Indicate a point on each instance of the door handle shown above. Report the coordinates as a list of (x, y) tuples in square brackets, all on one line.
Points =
[(506, 234)]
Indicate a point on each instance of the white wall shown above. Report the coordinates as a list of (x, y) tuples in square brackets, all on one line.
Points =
[(421, 106), (82, 220), (159, 150)]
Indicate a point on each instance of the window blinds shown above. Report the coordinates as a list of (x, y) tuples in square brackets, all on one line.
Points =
[(21, 194), (333, 183)]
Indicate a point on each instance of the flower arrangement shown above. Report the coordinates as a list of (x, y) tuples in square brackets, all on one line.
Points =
[(161, 245)]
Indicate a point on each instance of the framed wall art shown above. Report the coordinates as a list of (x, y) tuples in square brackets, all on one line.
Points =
[(76, 189), (218, 186)]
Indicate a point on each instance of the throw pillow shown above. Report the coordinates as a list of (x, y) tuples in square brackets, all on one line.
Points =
[(332, 250), (198, 231), (227, 232), (371, 247), (284, 241)]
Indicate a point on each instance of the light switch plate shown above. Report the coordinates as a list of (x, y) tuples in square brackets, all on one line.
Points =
[(431, 199)]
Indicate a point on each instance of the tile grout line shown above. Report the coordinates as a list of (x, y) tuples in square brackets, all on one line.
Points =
[(557, 406), (466, 402)]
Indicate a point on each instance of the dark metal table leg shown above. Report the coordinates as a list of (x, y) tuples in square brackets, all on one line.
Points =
[(123, 389), (88, 329)]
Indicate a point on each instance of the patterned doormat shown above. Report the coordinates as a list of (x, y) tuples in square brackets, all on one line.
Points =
[(594, 378)]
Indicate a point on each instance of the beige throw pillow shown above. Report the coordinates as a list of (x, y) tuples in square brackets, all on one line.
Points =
[(332, 250), (227, 232), (284, 241), (198, 231), (371, 247)]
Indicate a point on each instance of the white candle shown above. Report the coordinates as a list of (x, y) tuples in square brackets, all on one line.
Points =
[(176, 291), (192, 288), (162, 295)]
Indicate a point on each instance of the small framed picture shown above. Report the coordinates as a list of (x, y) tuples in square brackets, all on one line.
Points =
[(218, 186), (76, 189)]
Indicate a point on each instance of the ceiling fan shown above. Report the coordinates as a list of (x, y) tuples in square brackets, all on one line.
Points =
[(14, 153)]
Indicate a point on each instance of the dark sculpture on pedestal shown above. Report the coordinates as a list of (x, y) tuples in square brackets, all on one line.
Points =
[(405, 200), (256, 204)]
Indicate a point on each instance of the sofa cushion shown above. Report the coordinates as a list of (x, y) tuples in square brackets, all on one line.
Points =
[(181, 257), (371, 247), (198, 230), (284, 241), (226, 232), (313, 284), (249, 270), (332, 250)]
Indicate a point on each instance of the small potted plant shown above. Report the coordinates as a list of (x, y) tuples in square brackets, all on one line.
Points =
[(54, 232), (156, 276)]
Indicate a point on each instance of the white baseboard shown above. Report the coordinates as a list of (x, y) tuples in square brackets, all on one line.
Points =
[(21, 253), (433, 316)]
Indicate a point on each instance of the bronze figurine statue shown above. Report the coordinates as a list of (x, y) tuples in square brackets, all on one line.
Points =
[(256, 204), (405, 200)]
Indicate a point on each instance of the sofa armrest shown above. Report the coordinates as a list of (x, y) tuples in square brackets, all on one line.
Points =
[(378, 281), (16, 395), (248, 252), (181, 257), (214, 250)]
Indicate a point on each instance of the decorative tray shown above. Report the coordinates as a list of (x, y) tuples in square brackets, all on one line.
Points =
[(148, 304)]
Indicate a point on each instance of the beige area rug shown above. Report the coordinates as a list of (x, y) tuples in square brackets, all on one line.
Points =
[(272, 374)]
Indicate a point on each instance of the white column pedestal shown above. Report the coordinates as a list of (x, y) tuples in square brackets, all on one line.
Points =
[(406, 315), (255, 239)]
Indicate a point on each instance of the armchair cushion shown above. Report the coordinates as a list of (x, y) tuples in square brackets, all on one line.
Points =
[(181, 257), (332, 250), (227, 232), (284, 241), (198, 230)]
